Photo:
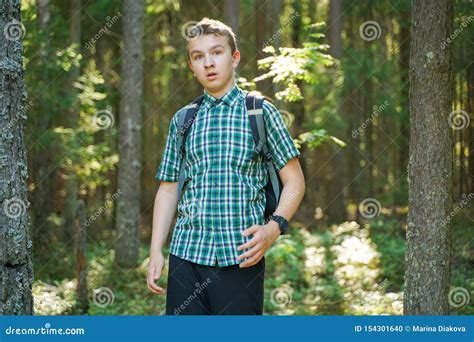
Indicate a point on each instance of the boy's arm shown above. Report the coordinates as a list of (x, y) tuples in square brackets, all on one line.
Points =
[(163, 212)]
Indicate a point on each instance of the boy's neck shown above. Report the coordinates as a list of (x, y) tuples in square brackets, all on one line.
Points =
[(218, 94)]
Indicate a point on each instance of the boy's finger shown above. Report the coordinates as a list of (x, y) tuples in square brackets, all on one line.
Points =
[(250, 262), (250, 230), (249, 253), (155, 288), (248, 244)]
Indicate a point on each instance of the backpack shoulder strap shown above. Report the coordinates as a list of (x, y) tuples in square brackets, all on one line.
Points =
[(254, 105), (186, 116)]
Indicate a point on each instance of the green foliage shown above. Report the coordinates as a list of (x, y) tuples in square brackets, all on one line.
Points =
[(346, 269), (316, 137), (290, 65)]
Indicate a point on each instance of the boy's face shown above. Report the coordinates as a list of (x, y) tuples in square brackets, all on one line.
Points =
[(212, 61)]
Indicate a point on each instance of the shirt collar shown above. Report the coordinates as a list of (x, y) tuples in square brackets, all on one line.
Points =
[(229, 98)]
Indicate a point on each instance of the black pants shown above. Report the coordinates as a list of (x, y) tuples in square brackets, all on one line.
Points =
[(195, 289)]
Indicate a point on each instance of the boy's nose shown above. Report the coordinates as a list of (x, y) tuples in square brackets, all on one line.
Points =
[(208, 63)]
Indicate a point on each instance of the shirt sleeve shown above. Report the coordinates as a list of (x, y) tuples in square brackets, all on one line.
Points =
[(280, 143), (169, 167)]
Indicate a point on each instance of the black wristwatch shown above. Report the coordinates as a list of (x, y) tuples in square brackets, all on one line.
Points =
[(282, 223)]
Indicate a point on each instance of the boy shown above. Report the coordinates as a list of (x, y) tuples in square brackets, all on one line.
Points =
[(220, 215)]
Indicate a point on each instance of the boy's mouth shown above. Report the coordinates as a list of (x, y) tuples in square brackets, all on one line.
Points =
[(211, 75)]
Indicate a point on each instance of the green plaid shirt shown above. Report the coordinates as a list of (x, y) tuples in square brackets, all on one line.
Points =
[(224, 194)]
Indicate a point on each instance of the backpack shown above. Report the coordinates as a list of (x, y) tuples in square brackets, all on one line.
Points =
[(254, 105)]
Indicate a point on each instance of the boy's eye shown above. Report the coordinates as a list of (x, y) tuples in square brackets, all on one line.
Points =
[(218, 52), (197, 56)]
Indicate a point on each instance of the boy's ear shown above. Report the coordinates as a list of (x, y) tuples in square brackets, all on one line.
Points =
[(236, 58)]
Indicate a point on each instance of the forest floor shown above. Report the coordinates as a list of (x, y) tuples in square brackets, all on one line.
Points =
[(346, 269)]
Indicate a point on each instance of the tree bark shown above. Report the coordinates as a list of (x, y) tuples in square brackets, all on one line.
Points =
[(129, 169), (16, 267), (430, 171)]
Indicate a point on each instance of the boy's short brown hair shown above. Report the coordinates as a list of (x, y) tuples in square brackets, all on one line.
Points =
[(211, 26)]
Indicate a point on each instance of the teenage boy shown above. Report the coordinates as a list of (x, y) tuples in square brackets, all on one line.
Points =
[(217, 250)]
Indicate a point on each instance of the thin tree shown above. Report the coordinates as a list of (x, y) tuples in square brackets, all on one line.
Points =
[(430, 163), (129, 168), (231, 14), (73, 120), (16, 268), (336, 208)]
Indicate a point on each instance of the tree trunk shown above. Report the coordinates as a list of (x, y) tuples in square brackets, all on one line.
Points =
[(16, 267), (231, 14), (276, 8), (72, 186), (41, 160), (404, 62), (265, 86), (336, 208), (470, 107), (430, 171), (81, 260), (129, 168)]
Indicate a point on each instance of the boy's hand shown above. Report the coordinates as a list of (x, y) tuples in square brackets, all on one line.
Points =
[(263, 238), (155, 267)]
